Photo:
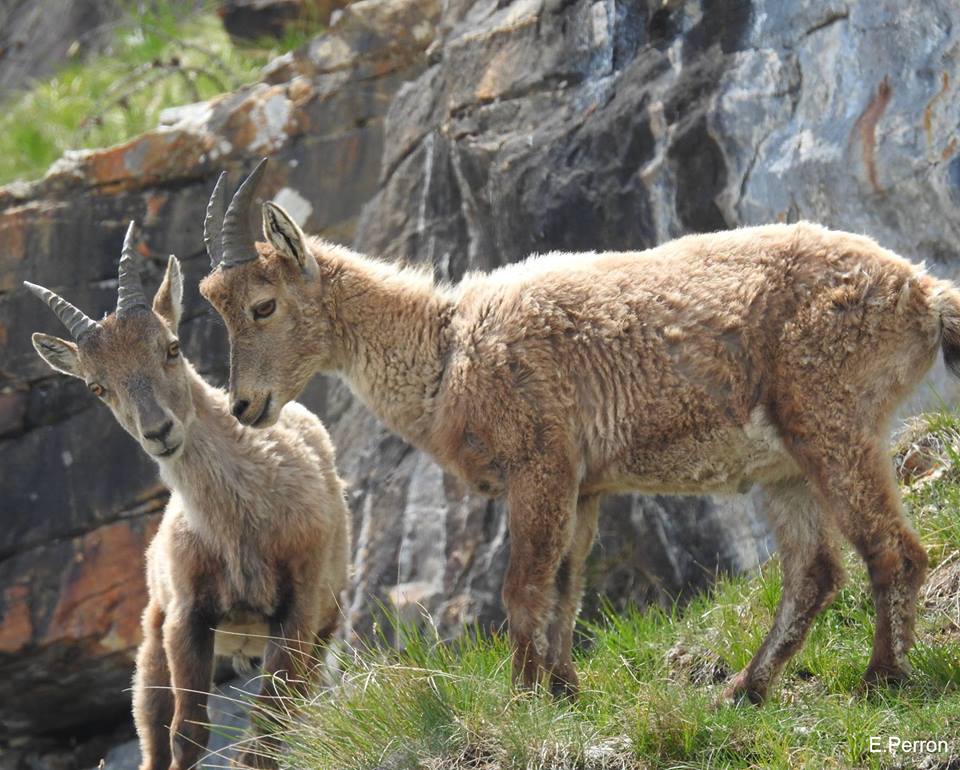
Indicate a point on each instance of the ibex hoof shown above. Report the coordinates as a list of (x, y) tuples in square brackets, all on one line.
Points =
[(879, 676), (741, 689), (564, 684)]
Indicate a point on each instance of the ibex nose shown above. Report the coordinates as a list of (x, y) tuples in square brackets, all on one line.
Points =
[(160, 433), (239, 407)]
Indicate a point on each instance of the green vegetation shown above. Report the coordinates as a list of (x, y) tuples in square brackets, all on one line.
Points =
[(652, 680), (157, 60)]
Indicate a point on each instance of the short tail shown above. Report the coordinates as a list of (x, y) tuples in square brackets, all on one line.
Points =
[(948, 298)]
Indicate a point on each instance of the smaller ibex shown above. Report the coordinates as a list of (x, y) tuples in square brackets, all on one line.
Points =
[(251, 554)]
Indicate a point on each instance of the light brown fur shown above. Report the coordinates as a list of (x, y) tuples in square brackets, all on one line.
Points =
[(772, 355), (254, 542)]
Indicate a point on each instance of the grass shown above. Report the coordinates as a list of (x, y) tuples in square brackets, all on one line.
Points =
[(157, 59), (651, 681)]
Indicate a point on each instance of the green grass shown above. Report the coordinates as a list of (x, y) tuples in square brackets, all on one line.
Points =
[(651, 683), (112, 97)]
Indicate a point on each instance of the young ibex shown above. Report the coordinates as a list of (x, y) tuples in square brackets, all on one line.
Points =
[(254, 540), (772, 355)]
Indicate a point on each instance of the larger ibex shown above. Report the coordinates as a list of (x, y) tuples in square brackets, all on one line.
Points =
[(772, 355), (254, 541)]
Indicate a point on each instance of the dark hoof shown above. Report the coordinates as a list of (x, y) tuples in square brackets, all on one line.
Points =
[(564, 686), (880, 676), (741, 690)]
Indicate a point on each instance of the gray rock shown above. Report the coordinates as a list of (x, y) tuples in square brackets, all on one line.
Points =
[(566, 126), (37, 36), (126, 756)]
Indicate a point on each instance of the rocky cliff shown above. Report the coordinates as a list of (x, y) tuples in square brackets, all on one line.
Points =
[(466, 134), (38, 36)]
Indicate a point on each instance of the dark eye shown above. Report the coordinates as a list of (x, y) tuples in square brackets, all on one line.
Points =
[(97, 389), (173, 350), (264, 309)]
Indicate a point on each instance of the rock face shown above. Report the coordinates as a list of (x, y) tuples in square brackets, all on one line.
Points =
[(468, 134), (36, 36), (257, 19)]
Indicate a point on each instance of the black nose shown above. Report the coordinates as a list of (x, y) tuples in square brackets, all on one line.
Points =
[(239, 407), (160, 433)]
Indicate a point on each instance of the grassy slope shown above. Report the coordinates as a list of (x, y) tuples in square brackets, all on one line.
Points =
[(651, 681), (117, 95)]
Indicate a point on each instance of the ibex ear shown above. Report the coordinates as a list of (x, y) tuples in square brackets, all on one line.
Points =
[(59, 354), (168, 301), (287, 238)]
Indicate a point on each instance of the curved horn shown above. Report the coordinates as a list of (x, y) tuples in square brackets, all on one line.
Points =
[(130, 294), (216, 209), (238, 241), (76, 321)]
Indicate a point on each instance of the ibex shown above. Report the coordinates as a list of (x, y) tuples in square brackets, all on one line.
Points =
[(251, 554), (770, 355)]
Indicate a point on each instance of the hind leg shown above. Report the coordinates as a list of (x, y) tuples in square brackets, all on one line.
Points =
[(569, 585), (855, 479), (812, 575)]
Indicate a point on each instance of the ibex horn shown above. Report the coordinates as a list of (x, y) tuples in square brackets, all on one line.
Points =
[(130, 294), (237, 242), (76, 321), (216, 209)]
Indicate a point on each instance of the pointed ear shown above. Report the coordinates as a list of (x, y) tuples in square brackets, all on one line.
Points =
[(168, 301), (286, 237), (59, 354)]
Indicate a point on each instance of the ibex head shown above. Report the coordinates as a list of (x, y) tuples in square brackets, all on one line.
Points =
[(131, 359), (259, 290)]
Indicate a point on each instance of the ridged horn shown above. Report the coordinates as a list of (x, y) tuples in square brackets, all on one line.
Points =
[(238, 242), (77, 322), (216, 210), (130, 294)]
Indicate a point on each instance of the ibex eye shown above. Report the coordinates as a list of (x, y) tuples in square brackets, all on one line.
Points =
[(97, 389), (264, 309), (173, 349)]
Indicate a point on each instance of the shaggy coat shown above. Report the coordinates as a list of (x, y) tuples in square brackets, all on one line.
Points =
[(251, 554), (770, 355)]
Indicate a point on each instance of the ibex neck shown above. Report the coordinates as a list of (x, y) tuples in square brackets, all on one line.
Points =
[(392, 332), (220, 465)]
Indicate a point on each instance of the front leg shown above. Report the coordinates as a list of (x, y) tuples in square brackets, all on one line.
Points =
[(188, 641), (541, 499), (152, 698)]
